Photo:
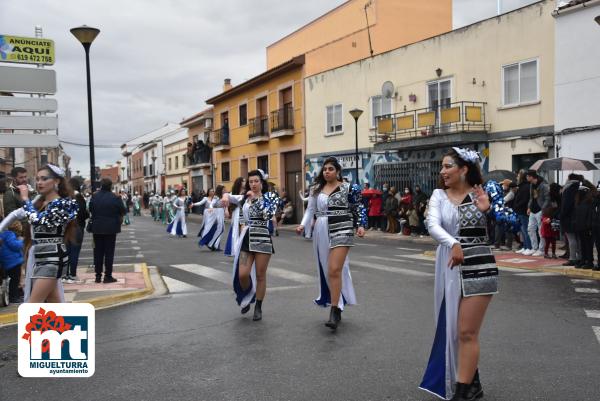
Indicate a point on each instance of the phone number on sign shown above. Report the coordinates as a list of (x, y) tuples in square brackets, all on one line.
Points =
[(34, 58)]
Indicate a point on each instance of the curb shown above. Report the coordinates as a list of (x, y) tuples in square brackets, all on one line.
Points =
[(565, 271), (102, 302)]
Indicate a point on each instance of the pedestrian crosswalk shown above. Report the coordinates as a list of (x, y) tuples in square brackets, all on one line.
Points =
[(281, 274)]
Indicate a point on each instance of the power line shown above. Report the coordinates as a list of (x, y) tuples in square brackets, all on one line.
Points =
[(111, 146)]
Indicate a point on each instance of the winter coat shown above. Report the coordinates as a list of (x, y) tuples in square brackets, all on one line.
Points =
[(375, 206), (106, 209), (11, 251), (539, 193), (521, 198), (567, 206), (583, 216), (391, 206)]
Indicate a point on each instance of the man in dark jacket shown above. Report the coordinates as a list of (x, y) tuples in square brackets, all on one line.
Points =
[(520, 208), (567, 217), (106, 209), (539, 199), (12, 198)]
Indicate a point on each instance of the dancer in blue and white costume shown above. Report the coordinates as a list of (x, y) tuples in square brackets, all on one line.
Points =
[(466, 276), (51, 216), (338, 209), (235, 212), (178, 226), (213, 223), (137, 204), (254, 248)]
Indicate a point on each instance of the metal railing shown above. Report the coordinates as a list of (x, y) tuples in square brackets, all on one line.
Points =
[(220, 137), (463, 116), (282, 119), (259, 126)]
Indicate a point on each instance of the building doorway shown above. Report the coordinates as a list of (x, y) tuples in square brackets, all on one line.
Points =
[(292, 162)]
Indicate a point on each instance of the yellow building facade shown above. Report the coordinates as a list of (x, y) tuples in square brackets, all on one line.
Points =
[(489, 86), (359, 28), (176, 163), (260, 124)]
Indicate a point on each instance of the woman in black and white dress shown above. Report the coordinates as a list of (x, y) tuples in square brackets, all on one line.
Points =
[(213, 223), (466, 276), (51, 216), (338, 209), (255, 246)]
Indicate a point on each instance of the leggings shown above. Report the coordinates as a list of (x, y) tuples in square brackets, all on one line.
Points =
[(550, 241)]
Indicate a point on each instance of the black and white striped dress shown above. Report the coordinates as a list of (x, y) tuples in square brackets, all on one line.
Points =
[(479, 273)]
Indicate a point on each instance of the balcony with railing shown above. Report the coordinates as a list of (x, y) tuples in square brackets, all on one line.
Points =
[(453, 118), (258, 129), (282, 122), (219, 139)]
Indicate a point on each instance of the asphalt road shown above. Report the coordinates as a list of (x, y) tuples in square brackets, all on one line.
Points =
[(538, 340)]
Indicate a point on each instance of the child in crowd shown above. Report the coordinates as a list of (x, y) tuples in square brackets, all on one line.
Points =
[(413, 219), (549, 231), (11, 259)]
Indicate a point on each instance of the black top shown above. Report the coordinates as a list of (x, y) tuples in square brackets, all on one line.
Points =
[(521, 199), (106, 209)]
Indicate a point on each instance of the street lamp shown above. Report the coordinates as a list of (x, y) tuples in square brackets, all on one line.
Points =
[(86, 36), (154, 172), (355, 113)]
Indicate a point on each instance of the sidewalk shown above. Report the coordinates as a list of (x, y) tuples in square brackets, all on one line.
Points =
[(135, 282)]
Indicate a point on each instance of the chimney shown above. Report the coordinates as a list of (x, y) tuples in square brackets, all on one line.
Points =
[(227, 84)]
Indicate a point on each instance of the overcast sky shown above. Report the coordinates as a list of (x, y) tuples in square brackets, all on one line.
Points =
[(157, 61)]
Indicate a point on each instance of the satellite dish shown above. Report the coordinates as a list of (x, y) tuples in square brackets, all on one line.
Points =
[(387, 90)]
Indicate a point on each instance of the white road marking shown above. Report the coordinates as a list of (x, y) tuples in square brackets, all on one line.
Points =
[(594, 314), (359, 244), (597, 332), (587, 290), (290, 275), (207, 272), (409, 249), (390, 269), (581, 281), (180, 286)]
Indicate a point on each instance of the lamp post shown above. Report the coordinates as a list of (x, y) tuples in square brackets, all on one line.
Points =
[(154, 172), (86, 36), (355, 113)]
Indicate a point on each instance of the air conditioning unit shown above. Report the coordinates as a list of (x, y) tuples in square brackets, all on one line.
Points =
[(548, 142)]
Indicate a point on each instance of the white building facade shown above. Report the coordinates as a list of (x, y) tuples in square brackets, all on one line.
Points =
[(577, 83)]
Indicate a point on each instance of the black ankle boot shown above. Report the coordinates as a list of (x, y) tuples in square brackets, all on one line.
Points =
[(257, 311), (460, 391), (475, 390), (245, 309), (335, 315)]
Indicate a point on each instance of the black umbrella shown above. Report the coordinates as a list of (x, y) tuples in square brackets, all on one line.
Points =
[(562, 164), (500, 175)]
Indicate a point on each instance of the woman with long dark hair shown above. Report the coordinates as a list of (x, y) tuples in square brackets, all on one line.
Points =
[(213, 223), (254, 248), (178, 226), (238, 188), (51, 217), (466, 276), (339, 210)]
